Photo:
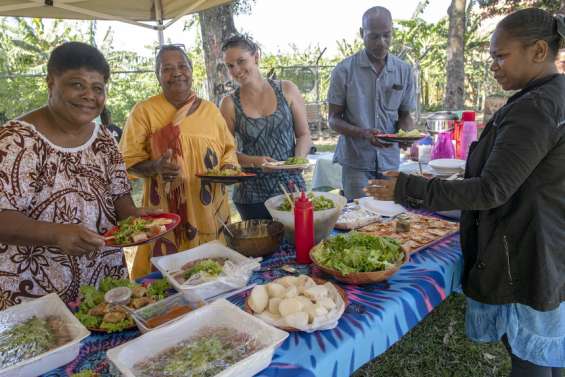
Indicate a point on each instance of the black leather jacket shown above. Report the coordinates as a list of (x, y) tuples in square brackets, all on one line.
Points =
[(513, 201)]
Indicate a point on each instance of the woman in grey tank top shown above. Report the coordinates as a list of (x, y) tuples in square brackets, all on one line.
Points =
[(268, 120)]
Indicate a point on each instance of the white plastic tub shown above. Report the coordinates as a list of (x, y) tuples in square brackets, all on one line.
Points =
[(324, 220), (196, 293), (220, 313), (46, 306), (160, 307)]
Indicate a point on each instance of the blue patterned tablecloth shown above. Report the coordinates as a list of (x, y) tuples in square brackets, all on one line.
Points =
[(377, 317)]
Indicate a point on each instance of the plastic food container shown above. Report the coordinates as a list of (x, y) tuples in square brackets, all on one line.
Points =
[(220, 313), (118, 295), (46, 306), (169, 264), (324, 220), (162, 309)]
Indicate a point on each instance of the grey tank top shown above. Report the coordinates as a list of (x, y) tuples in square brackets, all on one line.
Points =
[(271, 136)]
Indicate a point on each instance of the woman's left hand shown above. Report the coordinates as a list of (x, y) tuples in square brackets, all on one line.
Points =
[(382, 189)]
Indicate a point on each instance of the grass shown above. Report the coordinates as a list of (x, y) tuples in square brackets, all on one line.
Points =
[(438, 347)]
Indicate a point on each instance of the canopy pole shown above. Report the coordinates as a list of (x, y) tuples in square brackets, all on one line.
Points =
[(160, 33), (158, 6)]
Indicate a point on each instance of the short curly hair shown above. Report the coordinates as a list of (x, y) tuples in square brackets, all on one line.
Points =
[(77, 55), (166, 48)]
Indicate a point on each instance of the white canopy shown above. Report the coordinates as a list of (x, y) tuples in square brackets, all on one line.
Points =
[(135, 12)]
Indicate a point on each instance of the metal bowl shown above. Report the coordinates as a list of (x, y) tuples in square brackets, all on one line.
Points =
[(441, 121), (255, 238)]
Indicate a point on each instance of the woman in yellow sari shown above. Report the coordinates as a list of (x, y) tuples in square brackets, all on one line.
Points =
[(168, 139)]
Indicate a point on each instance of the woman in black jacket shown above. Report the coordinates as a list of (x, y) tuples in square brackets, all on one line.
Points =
[(513, 201)]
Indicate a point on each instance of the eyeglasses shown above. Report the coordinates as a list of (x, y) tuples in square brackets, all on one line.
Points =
[(164, 47)]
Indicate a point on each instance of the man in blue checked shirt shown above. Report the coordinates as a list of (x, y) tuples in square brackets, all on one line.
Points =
[(370, 92)]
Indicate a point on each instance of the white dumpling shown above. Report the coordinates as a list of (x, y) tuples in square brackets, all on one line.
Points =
[(287, 281), (276, 290), (316, 292), (274, 306), (291, 291), (331, 288), (290, 305), (305, 282), (270, 317), (259, 299), (298, 320), (314, 311), (305, 300), (327, 302)]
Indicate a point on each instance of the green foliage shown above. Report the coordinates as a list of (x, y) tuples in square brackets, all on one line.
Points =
[(242, 6), (424, 45), (491, 8), (24, 48), (347, 48), (299, 66), (25, 45), (196, 54)]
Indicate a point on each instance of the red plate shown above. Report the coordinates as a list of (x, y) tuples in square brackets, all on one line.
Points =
[(227, 179), (394, 138), (171, 226)]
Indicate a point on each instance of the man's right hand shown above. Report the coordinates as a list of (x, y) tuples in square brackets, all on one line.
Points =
[(165, 168), (76, 240), (371, 136)]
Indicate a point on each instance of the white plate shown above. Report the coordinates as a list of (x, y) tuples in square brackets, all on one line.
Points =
[(46, 306), (447, 166), (279, 165), (447, 163), (220, 313), (381, 207)]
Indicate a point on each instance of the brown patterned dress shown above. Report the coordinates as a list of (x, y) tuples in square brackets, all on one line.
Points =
[(60, 185)]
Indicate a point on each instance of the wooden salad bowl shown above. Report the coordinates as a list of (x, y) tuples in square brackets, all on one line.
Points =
[(360, 278), (318, 281)]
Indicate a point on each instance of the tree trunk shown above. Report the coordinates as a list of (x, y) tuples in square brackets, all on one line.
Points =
[(455, 90), (216, 24)]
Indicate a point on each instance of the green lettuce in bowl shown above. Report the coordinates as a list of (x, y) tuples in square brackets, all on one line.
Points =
[(358, 252)]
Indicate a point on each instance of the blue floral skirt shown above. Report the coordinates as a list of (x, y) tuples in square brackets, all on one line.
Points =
[(534, 336)]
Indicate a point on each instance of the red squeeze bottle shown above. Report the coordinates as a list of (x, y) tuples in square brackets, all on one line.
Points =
[(303, 229)]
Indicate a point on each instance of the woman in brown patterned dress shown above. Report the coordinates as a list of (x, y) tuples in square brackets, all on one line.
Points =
[(62, 184)]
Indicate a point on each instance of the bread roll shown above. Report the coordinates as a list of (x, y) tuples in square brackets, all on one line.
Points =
[(290, 305), (298, 320), (275, 290), (259, 299), (287, 281), (305, 300), (327, 302), (291, 292), (314, 311), (274, 306), (305, 282), (270, 317), (316, 292)]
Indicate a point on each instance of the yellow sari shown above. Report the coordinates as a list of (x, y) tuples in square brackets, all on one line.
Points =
[(206, 144)]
